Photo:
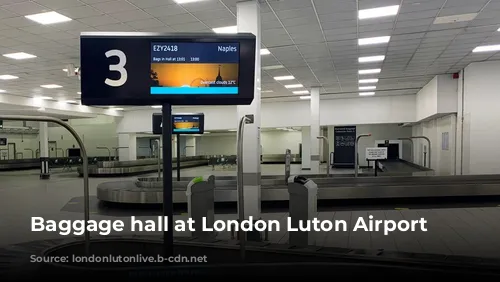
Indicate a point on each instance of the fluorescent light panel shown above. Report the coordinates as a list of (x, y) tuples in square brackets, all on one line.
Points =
[(117, 109), (19, 56), (305, 97), (186, 1), (373, 40), (366, 93), (285, 77), (156, 107), (79, 93), (8, 77), (275, 67), (51, 86), (2, 91), (370, 71), (266, 91), (370, 80), (44, 98), (487, 48), (70, 101), (290, 86), (264, 52), (48, 18), (226, 29), (378, 12), (301, 92), (371, 59), (367, 87)]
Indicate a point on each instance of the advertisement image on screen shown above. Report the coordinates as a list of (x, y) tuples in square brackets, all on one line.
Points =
[(194, 68), (187, 124)]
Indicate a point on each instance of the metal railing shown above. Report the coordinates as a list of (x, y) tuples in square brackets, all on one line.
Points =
[(86, 197), (241, 198), (356, 157), (105, 148)]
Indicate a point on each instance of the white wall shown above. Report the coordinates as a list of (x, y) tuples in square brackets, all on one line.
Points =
[(481, 132), (426, 100), (442, 152), (365, 110), (438, 97)]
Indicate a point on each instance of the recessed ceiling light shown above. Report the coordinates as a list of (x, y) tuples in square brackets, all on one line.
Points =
[(8, 77), (48, 18), (275, 67), (3, 91), (156, 107), (79, 93), (70, 101), (371, 59), (264, 52), (266, 91), (366, 93), (370, 80), (373, 40), (301, 92), (19, 56), (44, 98), (498, 29), (186, 1), (285, 77), (51, 86), (378, 12), (117, 109), (369, 71), (294, 86), (455, 18), (487, 48), (226, 29), (232, 130), (305, 97), (367, 87)]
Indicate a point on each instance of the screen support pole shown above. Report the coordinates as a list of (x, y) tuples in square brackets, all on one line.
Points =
[(168, 212), (178, 149)]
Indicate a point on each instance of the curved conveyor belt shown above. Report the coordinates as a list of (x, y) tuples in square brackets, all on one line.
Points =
[(125, 168), (150, 190)]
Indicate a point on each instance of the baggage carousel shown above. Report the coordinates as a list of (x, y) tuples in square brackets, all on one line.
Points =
[(273, 188)]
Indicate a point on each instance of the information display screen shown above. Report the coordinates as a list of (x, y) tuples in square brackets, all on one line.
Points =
[(194, 68), (187, 124), (135, 68)]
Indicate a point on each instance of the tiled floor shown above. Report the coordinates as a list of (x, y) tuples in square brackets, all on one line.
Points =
[(471, 231)]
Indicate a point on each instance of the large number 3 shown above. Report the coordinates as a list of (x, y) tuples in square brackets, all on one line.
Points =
[(120, 67)]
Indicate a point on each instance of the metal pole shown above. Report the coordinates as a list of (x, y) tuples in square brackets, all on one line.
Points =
[(106, 148), (412, 154), (356, 152), (84, 165), (178, 159), (241, 198), (168, 211), (288, 156), (428, 142), (159, 158), (328, 162)]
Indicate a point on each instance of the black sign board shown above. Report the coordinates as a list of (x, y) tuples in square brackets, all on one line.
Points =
[(181, 123), (3, 141), (74, 152), (1, 124), (137, 68), (345, 139)]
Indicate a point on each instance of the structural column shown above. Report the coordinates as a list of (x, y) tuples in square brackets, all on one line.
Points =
[(248, 20), (306, 148), (315, 130), (190, 146), (127, 147), (44, 151)]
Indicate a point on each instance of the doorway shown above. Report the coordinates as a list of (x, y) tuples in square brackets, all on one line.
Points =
[(52, 149), (392, 151), (12, 151)]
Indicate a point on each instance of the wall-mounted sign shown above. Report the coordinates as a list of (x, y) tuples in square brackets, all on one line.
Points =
[(345, 139), (376, 153), (3, 141), (136, 68)]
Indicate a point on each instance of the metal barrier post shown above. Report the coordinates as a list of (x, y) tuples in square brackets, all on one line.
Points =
[(241, 199), (328, 162), (86, 197), (106, 148), (429, 142), (356, 152)]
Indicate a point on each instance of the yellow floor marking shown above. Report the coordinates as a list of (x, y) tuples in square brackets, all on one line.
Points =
[(184, 213)]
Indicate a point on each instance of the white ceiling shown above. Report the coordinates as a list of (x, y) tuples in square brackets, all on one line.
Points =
[(316, 40)]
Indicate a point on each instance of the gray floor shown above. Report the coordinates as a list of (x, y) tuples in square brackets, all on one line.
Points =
[(471, 231)]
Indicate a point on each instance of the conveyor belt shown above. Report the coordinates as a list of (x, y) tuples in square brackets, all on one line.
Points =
[(125, 168), (149, 191), (402, 167)]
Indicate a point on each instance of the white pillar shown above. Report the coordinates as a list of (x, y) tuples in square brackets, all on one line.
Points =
[(306, 148), (315, 130), (248, 20), (44, 151), (190, 146), (127, 143), (174, 146)]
